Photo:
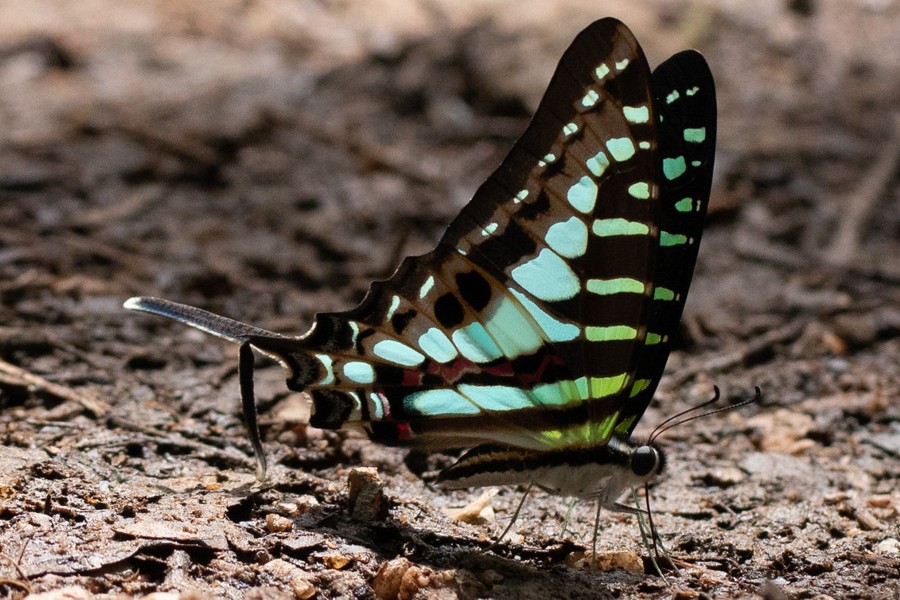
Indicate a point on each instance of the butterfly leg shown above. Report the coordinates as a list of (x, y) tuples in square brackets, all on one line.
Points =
[(623, 508), (568, 518), (514, 517), (596, 529), (650, 536)]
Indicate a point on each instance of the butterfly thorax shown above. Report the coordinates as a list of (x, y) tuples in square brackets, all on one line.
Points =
[(601, 472)]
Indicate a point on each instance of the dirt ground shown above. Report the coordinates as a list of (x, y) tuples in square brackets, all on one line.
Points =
[(268, 159)]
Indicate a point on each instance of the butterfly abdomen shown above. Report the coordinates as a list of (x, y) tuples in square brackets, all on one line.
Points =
[(598, 472)]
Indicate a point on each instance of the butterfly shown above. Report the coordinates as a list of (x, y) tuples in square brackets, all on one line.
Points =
[(536, 332)]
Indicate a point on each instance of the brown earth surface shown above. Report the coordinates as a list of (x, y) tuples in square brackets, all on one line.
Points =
[(267, 160)]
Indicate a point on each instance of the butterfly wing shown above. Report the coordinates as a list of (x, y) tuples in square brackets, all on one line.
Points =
[(526, 324), (686, 100)]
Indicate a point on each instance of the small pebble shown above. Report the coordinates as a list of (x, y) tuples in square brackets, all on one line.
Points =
[(888, 547), (277, 523), (399, 579), (366, 495), (280, 568), (335, 560), (302, 589), (606, 561)]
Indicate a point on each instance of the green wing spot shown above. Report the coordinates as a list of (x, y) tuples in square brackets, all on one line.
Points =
[(695, 135), (684, 205), (672, 239), (547, 277), (619, 285), (583, 195), (568, 238), (475, 344), (636, 114), (652, 339), (328, 363), (559, 393), (621, 149), (662, 293), (597, 164), (602, 387), (397, 353), (497, 398), (639, 190), (395, 304), (377, 406), (605, 227), (639, 386), (610, 333), (431, 403), (673, 168), (489, 229), (359, 372), (625, 425), (508, 325), (604, 428), (437, 345), (426, 287), (555, 330)]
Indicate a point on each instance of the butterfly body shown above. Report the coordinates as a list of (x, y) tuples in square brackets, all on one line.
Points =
[(600, 473), (536, 332)]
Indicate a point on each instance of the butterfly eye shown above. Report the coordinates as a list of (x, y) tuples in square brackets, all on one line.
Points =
[(644, 461)]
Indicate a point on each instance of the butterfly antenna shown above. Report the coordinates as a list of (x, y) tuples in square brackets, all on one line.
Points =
[(677, 419), (677, 416)]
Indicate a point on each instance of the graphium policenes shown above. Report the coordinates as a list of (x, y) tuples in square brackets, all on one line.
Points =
[(535, 334)]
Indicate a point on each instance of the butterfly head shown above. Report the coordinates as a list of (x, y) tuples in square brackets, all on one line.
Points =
[(647, 461), (623, 464)]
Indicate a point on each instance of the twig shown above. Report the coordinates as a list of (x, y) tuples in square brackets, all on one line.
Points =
[(367, 150), (778, 255), (129, 206), (15, 563), (205, 450), (20, 376), (22, 582), (861, 203)]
